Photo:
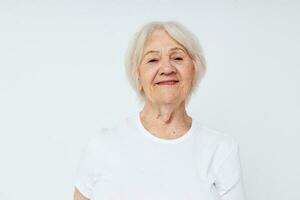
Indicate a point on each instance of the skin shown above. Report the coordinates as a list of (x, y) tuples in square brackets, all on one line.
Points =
[(78, 196), (164, 113)]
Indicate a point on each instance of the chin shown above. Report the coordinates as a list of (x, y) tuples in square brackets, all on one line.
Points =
[(169, 99)]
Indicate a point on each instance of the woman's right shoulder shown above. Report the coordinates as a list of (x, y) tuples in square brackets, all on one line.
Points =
[(100, 136), (105, 136)]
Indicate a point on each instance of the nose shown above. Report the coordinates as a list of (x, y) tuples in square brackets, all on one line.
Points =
[(166, 68)]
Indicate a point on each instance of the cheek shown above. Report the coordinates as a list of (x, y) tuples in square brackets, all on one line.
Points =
[(188, 72), (147, 75)]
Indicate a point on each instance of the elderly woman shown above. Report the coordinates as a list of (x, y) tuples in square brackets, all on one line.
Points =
[(160, 152)]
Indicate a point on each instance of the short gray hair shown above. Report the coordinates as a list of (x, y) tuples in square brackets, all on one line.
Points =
[(179, 33)]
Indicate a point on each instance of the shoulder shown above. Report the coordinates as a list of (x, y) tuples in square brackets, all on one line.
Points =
[(101, 138), (214, 137), (218, 144), (107, 135)]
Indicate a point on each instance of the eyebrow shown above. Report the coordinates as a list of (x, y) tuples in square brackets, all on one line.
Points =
[(151, 51), (177, 48), (173, 49)]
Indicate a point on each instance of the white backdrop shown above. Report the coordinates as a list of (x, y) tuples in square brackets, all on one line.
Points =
[(62, 78)]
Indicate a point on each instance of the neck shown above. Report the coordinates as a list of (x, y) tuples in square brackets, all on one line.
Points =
[(165, 120)]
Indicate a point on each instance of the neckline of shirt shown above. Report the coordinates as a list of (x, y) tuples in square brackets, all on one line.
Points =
[(156, 139)]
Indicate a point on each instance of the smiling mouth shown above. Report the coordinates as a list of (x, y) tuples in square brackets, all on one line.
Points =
[(167, 83)]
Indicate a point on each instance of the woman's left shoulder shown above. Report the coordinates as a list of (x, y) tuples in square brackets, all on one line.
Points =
[(219, 140)]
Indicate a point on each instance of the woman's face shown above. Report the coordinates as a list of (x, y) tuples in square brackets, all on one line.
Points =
[(165, 59)]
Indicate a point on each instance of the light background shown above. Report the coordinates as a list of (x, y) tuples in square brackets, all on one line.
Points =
[(62, 78)]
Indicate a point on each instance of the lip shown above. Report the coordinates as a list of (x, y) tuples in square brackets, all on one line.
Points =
[(168, 82)]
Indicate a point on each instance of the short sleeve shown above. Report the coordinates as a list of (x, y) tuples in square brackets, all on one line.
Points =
[(85, 175), (228, 181)]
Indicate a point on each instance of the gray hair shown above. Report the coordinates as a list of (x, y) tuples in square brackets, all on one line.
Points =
[(179, 33)]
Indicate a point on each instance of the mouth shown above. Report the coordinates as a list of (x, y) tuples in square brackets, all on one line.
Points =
[(169, 82)]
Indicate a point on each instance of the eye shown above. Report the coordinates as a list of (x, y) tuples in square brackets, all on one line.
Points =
[(178, 58), (152, 60)]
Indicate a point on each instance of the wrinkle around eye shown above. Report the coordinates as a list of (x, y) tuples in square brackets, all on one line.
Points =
[(152, 61), (177, 59)]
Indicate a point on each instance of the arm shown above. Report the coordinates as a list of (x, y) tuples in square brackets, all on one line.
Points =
[(229, 182), (236, 192), (78, 196), (85, 174)]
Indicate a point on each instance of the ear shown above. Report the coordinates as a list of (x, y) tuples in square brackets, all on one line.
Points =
[(140, 87), (194, 74), (139, 84)]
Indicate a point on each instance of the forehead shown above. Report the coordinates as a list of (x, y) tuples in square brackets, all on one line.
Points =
[(160, 39)]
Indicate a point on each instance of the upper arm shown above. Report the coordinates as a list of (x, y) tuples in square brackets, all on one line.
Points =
[(236, 192), (78, 196), (228, 181), (85, 175)]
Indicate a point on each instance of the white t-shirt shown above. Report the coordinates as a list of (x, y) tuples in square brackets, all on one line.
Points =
[(126, 162)]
